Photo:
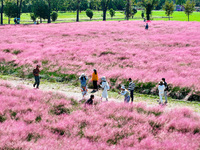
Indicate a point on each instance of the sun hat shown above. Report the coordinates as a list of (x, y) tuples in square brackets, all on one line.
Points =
[(103, 78), (122, 87)]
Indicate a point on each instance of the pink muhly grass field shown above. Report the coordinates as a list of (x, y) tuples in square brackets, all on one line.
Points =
[(45, 120), (116, 49)]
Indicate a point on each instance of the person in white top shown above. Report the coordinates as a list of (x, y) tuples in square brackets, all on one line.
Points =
[(161, 89), (105, 86)]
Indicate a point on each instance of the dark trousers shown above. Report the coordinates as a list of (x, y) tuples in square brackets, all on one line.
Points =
[(37, 81), (132, 97), (95, 85)]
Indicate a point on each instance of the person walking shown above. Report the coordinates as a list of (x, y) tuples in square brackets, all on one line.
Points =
[(166, 89), (105, 86), (147, 26), (90, 101), (36, 72), (83, 79), (131, 88), (95, 80), (161, 89), (125, 93)]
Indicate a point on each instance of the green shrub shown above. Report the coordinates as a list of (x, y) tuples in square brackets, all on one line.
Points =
[(33, 17), (89, 13), (54, 16), (112, 12)]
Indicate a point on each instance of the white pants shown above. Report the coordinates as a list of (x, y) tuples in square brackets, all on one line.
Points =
[(161, 96), (165, 94)]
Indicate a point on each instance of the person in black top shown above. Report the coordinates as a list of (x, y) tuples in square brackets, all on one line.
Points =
[(36, 72), (166, 89), (90, 101)]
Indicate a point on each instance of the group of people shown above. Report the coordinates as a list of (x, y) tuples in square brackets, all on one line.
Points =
[(127, 93)]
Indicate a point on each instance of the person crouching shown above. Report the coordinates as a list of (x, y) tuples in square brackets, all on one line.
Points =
[(125, 93)]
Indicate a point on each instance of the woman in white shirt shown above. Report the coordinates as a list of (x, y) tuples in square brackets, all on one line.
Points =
[(105, 87), (161, 89)]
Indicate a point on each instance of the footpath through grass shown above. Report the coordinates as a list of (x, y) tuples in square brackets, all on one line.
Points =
[(71, 90), (119, 15)]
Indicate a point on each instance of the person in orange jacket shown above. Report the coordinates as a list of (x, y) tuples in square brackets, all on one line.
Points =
[(95, 80)]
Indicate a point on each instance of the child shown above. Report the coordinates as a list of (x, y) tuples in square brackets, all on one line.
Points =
[(105, 87), (83, 79), (126, 94), (90, 101), (161, 89)]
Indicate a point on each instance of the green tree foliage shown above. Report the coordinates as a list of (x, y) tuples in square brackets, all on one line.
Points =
[(169, 8), (10, 10), (33, 17), (134, 11), (180, 2), (142, 14), (112, 12), (54, 16), (189, 8), (40, 9), (89, 13), (149, 5)]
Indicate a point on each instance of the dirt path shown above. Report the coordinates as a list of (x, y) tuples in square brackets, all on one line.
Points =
[(65, 89), (71, 91)]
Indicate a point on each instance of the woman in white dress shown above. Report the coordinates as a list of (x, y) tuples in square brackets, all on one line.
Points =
[(161, 89), (105, 87)]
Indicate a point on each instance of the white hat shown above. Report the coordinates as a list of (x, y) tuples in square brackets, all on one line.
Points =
[(122, 87), (103, 78), (83, 74)]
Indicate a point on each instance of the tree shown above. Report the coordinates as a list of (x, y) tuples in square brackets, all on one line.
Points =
[(40, 9), (104, 5), (169, 8), (33, 17), (89, 13), (128, 9), (142, 14), (149, 6), (2, 5), (134, 11), (10, 10), (77, 10), (49, 11), (189, 8), (180, 2), (112, 12), (54, 16)]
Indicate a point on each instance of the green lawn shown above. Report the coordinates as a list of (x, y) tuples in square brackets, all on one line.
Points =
[(71, 17)]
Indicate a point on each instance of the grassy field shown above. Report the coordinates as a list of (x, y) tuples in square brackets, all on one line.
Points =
[(71, 17)]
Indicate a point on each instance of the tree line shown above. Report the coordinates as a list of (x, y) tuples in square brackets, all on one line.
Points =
[(46, 9)]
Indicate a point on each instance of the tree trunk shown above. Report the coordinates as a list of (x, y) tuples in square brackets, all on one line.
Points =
[(127, 9), (188, 17), (1, 12), (17, 8), (148, 16), (49, 15), (104, 14), (8, 20), (40, 20), (77, 11), (20, 7), (169, 17)]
